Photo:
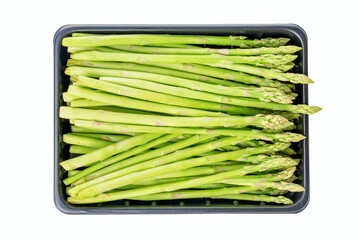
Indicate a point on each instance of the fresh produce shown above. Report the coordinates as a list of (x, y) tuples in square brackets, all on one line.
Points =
[(163, 117)]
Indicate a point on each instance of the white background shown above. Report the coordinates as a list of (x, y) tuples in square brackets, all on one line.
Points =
[(27, 208)]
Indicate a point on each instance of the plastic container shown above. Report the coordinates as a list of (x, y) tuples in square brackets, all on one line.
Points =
[(61, 151)]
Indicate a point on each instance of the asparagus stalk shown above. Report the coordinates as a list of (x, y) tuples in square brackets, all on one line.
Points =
[(264, 93), (292, 187), (89, 195), (146, 145), (254, 134), (193, 151), (188, 194), (85, 49), (106, 137), (272, 192), (249, 180), (196, 171), (78, 149), (257, 158), (148, 173), (263, 181), (224, 74), (289, 151), (149, 155), (279, 68), (152, 69), (148, 39), (244, 102), (85, 141), (290, 179), (261, 198), (195, 51), (76, 129), (107, 151), (123, 110), (159, 98), (179, 45), (157, 58), (68, 97), (87, 103), (139, 104), (262, 121), (268, 60), (268, 94), (288, 115), (267, 73)]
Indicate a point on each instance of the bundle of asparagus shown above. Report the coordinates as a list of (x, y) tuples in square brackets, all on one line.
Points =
[(158, 117)]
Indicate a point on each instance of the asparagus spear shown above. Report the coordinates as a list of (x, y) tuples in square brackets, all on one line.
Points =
[(292, 187), (157, 58), (280, 68), (263, 181), (249, 180), (195, 51), (85, 49), (159, 98), (146, 145), (76, 129), (124, 110), (188, 194), (264, 93), (148, 39), (224, 74), (152, 69), (106, 137), (179, 45), (150, 155), (262, 198), (139, 104), (163, 101), (87, 103), (89, 195), (85, 141), (196, 171), (193, 151), (254, 134), (289, 151), (183, 164), (267, 73), (244, 102), (68, 97), (78, 149), (267, 60), (257, 158), (290, 179), (262, 121), (107, 151)]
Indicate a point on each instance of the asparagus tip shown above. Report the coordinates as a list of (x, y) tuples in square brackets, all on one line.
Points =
[(290, 137), (292, 187), (298, 78), (275, 122), (284, 200), (274, 41), (305, 109), (286, 173)]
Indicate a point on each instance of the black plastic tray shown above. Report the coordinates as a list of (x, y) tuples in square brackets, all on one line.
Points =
[(61, 83)]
